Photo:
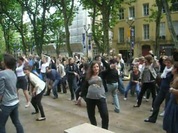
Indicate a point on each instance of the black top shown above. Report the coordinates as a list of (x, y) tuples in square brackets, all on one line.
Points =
[(109, 75)]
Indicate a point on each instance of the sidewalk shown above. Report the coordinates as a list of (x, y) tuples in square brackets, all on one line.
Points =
[(62, 114)]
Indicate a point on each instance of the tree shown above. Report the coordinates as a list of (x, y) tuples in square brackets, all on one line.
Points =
[(2, 42), (55, 30), (6, 28), (68, 10), (158, 20), (108, 11), (169, 21), (36, 10), (156, 16), (12, 10)]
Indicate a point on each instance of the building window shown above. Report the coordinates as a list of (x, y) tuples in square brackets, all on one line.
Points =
[(162, 32), (146, 31), (121, 35), (121, 13), (132, 12), (145, 9)]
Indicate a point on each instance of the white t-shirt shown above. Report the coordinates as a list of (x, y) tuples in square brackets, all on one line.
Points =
[(37, 82), (19, 70)]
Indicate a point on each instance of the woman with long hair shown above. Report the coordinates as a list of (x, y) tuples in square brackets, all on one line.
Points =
[(21, 78), (148, 76), (94, 92)]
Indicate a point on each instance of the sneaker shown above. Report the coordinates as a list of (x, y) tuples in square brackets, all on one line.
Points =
[(151, 110), (117, 110), (33, 113), (162, 114), (41, 119), (125, 98), (27, 105), (147, 100)]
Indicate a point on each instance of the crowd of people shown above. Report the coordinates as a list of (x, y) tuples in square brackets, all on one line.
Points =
[(92, 81)]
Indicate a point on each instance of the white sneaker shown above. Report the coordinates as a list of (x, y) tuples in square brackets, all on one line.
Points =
[(162, 114), (125, 98), (147, 100), (27, 105)]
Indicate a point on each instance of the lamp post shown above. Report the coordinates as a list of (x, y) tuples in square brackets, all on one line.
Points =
[(130, 22), (86, 28)]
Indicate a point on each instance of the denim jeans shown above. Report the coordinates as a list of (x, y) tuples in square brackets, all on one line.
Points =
[(121, 87), (130, 85), (11, 111), (54, 88), (112, 89), (72, 86)]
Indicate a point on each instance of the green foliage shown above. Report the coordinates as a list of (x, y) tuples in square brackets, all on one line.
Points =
[(107, 13), (2, 42)]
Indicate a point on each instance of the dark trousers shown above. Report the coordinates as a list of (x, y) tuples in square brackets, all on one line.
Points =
[(103, 110), (62, 85), (72, 86), (36, 102), (146, 86), (163, 94), (77, 93)]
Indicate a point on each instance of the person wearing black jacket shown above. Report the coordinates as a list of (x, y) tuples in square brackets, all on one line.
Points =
[(166, 79), (72, 72), (110, 77)]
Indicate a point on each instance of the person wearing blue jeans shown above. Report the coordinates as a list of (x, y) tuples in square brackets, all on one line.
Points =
[(11, 111), (121, 87), (112, 89), (129, 86), (8, 95), (53, 75), (134, 81), (110, 76), (120, 69)]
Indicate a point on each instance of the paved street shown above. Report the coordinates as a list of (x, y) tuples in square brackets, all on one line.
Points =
[(62, 114)]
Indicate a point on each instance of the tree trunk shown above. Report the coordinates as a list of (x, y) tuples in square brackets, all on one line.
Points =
[(98, 45), (158, 19), (105, 21), (57, 43), (170, 25), (66, 23)]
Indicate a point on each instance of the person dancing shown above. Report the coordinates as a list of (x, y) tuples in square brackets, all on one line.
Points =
[(37, 89), (95, 95), (8, 95)]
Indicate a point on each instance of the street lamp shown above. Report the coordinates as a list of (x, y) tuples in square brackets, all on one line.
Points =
[(86, 28), (130, 22)]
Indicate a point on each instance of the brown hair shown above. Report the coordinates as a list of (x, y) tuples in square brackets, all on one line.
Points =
[(149, 59), (169, 59), (175, 81), (90, 71)]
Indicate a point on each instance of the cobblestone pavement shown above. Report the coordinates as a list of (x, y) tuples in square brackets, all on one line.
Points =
[(62, 114)]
